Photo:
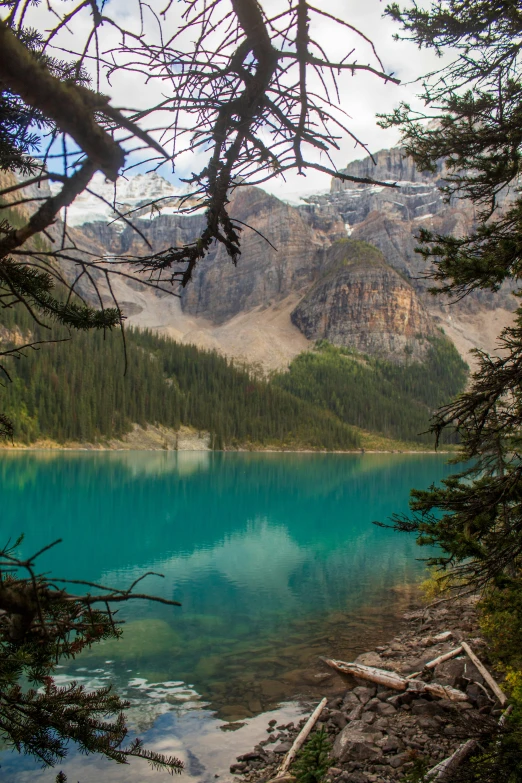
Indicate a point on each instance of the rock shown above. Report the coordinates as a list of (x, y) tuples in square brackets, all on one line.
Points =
[(322, 677), (356, 713), (386, 695), (283, 747), (338, 719), (360, 302), (477, 695), (391, 744), (355, 777), (238, 767), (356, 742), (451, 672), (252, 756), (419, 702), (351, 700), (367, 717), (427, 723), (381, 708), (364, 694), (443, 637), (368, 658), (398, 760)]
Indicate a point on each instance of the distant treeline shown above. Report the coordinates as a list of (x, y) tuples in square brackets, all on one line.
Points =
[(77, 390), (391, 399)]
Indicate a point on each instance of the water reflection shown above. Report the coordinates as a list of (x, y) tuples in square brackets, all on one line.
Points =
[(273, 557)]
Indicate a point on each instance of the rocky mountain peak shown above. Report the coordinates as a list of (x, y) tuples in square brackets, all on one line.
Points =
[(126, 194), (360, 302), (390, 165)]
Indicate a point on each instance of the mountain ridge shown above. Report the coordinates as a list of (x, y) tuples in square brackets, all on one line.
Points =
[(245, 312)]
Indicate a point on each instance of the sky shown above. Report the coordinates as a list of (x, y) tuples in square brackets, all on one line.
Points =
[(362, 96)]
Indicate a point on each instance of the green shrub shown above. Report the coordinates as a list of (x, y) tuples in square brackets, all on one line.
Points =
[(313, 761)]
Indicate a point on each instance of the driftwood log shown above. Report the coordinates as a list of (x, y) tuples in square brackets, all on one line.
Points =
[(395, 681), (501, 696), (435, 662), (445, 769), (300, 739)]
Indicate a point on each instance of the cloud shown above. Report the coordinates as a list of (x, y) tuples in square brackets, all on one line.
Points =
[(361, 96)]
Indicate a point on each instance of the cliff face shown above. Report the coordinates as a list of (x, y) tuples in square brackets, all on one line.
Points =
[(416, 193), (378, 307), (360, 302), (391, 218), (265, 273)]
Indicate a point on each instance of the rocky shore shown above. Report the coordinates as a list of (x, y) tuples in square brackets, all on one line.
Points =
[(378, 735)]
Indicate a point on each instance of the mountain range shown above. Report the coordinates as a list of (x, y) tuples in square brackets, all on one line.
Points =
[(341, 267)]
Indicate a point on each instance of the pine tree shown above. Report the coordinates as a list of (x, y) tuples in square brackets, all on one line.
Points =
[(475, 516), (476, 100)]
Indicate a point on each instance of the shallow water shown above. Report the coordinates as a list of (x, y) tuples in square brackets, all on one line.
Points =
[(273, 557)]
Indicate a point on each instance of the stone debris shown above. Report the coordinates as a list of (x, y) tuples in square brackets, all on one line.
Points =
[(378, 734)]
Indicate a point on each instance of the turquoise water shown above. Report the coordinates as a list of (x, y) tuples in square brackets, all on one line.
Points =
[(273, 557)]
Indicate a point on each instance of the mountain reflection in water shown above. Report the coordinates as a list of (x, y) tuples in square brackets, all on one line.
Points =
[(273, 557)]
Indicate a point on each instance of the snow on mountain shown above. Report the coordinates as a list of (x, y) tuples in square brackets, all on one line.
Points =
[(125, 195)]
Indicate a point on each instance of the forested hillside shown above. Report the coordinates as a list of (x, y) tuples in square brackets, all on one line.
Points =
[(77, 390), (394, 400)]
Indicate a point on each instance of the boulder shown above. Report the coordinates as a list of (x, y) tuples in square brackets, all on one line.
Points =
[(356, 713), (283, 747), (384, 709), (350, 700), (369, 659), (356, 742), (398, 760)]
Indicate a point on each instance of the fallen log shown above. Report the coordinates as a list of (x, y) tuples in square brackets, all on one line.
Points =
[(436, 661), (378, 676), (393, 680), (445, 769), (501, 696), (300, 739)]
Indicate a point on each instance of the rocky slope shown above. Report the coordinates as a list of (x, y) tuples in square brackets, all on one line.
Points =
[(268, 271), (361, 302)]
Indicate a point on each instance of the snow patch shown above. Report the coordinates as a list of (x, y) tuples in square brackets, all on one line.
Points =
[(107, 198)]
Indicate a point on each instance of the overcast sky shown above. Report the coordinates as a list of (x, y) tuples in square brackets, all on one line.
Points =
[(362, 95)]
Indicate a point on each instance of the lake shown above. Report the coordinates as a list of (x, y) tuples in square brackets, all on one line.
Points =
[(274, 558)]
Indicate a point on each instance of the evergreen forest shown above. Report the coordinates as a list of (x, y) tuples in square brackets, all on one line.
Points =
[(394, 400), (93, 387)]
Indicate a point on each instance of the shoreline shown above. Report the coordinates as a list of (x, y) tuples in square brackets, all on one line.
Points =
[(96, 448), (156, 437), (377, 734)]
